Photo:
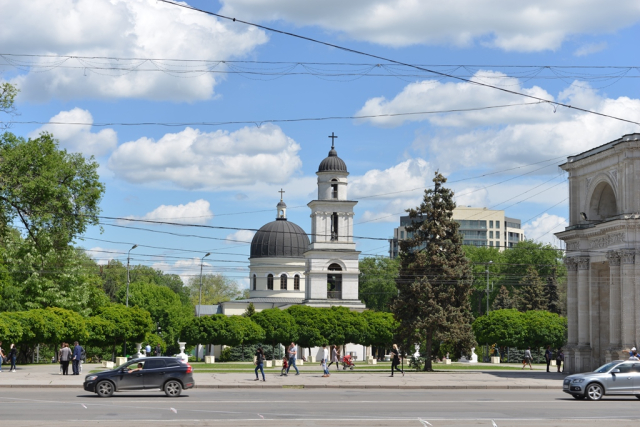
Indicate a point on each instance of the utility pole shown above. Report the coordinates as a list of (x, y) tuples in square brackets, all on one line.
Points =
[(128, 282), (200, 300)]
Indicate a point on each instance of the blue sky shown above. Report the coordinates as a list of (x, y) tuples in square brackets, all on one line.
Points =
[(228, 175)]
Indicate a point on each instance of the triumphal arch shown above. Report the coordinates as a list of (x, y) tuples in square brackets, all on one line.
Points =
[(603, 254)]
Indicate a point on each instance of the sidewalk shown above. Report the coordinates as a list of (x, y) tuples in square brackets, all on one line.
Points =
[(42, 376)]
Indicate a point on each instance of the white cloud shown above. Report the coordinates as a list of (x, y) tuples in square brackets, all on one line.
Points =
[(197, 212), (218, 160), (79, 138), (474, 197), (542, 229), (590, 48), (408, 175), (506, 137), (102, 256), (123, 29), (507, 25), (240, 236)]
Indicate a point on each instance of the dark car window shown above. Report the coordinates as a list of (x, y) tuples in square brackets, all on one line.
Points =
[(173, 363), (154, 364), (635, 367), (625, 368)]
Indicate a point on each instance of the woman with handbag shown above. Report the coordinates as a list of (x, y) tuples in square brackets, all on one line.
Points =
[(65, 357)]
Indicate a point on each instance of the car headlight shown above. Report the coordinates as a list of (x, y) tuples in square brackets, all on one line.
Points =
[(578, 380), (91, 377)]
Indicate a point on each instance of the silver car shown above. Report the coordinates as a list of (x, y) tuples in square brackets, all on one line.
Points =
[(620, 377)]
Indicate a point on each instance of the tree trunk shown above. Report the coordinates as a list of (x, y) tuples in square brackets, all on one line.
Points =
[(427, 363)]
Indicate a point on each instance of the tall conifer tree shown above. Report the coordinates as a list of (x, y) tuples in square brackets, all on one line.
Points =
[(503, 299), (531, 295), (551, 294), (434, 283)]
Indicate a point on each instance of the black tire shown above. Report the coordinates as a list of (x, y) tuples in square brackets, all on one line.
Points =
[(105, 389), (594, 391), (578, 396), (172, 388), (638, 396)]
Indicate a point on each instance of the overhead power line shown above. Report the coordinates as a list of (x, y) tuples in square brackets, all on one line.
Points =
[(358, 52)]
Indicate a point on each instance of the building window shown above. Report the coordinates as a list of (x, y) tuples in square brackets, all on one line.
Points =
[(296, 282), (497, 244), (497, 224), (491, 233), (270, 282), (490, 224), (497, 234), (491, 243), (334, 189), (255, 280), (283, 282), (402, 234), (334, 282), (334, 226)]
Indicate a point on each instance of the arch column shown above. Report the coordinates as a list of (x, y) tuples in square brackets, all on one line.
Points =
[(615, 303), (627, 270), (572, 300), (583, 300)]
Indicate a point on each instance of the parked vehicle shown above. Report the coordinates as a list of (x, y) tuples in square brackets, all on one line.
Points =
[(164, 373), (620, 377)]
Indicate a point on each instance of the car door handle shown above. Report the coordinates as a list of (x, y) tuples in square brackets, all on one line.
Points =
[(139, 375), (628, 378)]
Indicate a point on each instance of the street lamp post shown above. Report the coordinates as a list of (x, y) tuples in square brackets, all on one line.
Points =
[(487, 291), (127, 297), (200, 297)]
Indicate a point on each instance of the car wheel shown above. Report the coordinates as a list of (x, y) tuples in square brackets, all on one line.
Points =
[(172, 388), (105, 389), (578, 396), (638, 396), (594, 391)]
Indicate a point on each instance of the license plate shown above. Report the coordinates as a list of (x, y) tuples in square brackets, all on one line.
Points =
[(565, 386)]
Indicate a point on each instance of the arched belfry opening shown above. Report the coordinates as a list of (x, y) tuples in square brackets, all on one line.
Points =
[(334, 282), (603, 203)]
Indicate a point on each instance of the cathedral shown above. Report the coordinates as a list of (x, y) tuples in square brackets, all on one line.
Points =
[(289, 266)]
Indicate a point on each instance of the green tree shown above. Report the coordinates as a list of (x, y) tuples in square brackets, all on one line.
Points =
[(377, 282), (10, 328), (503, 300), (531, 294), (344, 326), (435, 277), (483, 258), (216, 288), (503, 327), (120, 324), (8, 93), (552, 296), (311, 323), (545, 328), (278, 325), (250, 311), (380, 328)]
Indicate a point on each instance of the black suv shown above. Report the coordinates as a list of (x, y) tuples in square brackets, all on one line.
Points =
[(164, 373)]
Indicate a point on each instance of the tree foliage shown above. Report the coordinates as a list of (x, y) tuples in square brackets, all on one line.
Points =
[(531, 294), (380, 328), (216, 288), (278, 325), (435, 277), (512, 328), (377, 282)]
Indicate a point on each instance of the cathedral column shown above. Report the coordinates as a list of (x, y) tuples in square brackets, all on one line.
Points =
[(615, 301), (583, 300), (572, 300), (627, 271)]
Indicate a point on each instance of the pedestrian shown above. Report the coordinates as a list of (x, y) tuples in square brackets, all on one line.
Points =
[(395, 360), (77, 358), (527, 358), (13, 352), (548, 355), (633, 355), (1, 356), (259, 362), (158, 350), (559, 359), (65, 356), (325, 357), (293, 351), (283, 371), (147, 351), (334, 357)]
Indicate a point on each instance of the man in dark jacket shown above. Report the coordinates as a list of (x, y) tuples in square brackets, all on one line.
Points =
[(77, 357), (548, 355)]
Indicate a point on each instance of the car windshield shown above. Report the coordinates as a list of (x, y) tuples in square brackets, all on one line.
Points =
[(606, 368)]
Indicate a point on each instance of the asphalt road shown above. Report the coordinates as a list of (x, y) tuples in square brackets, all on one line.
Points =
[(313, 407)]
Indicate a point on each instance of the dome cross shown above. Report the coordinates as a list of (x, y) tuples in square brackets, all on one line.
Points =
[(281, 193), (333, 137)]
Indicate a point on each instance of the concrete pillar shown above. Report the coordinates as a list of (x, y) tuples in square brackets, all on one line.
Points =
[(627, 270), (637, 301), (615, 300), (572, 300), (583, 300)]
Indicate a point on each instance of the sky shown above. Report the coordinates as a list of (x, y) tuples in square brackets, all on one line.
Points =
[(196, 120)]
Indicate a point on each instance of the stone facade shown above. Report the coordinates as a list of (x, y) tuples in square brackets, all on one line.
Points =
[(602, 239)]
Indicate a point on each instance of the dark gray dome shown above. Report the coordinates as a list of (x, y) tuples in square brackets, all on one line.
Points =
[(333, 163), (281, 239)]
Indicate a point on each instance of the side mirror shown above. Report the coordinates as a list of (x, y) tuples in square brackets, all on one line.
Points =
[(615, 371)]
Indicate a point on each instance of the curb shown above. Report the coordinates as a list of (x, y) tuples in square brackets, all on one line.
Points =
[(328, 386)]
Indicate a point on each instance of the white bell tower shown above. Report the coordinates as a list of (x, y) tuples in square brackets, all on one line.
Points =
[(332, 260)]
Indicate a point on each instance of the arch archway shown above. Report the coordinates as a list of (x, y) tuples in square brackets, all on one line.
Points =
[(602, 204)]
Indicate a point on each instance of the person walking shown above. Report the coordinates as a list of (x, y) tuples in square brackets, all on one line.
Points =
[(325, 357), (77, 358), (158, 350), (147, 350), (65, 357), (259, 363), (548, 355), (285, 363), (395, 360), (293, 351), (13, 353), (559, 359), (1, 356), (334, 357), (527, 358)]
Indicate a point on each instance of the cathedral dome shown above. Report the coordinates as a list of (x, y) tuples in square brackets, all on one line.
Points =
[(279, 239), (332, 163)]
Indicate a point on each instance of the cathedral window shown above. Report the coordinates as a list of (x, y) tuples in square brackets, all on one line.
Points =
[(334, 282), (255, 280), (334, 226), (334, 189), (270, 282), (283, 282), (296, 282)]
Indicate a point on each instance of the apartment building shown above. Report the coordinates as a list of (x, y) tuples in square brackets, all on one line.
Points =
[(478, 226)]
